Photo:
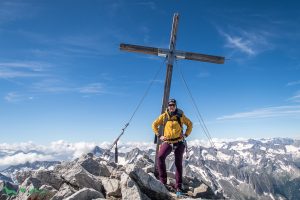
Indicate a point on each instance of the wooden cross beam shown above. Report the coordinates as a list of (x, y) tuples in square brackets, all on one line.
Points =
[(171, 54), (177, 54)]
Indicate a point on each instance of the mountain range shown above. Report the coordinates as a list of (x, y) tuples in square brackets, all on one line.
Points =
[(242, 169)]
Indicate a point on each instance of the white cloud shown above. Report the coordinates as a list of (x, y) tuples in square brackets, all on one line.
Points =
[(13, 97), (51, 86), (22, 158), (93, 88), (65, 150), (31, 65), (22, 69), (296, 97), (248, 42), (293, 83), (60, 86), (268, 112), (58, 150), (239, 43), (16, 74)]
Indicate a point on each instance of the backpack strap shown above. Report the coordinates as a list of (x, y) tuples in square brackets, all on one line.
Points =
[(178, 117), (179, 121)]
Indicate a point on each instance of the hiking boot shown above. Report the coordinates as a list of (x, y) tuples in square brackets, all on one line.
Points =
[(169, 187)]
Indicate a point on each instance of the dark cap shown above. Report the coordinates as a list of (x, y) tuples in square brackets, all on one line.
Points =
[(172, 101)]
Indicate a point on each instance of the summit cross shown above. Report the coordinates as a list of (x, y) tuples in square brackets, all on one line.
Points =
[(170, 54)]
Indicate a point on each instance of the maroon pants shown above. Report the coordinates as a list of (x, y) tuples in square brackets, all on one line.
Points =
[(165, 150)]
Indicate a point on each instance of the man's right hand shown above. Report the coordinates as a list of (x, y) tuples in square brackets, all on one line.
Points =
[(162, 138)]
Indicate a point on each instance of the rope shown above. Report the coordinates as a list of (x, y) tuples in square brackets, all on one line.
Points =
[(146, 92), (202, 123), (136, 109), (199, 116)]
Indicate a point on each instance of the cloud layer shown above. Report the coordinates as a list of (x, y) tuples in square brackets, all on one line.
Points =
[(18, 153), (14, 154), (22, 69), (267, 112)]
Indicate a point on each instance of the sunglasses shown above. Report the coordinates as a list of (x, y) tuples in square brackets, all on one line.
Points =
[(171, 105)]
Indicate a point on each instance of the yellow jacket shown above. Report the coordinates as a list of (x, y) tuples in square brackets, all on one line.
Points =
[(172, 129)]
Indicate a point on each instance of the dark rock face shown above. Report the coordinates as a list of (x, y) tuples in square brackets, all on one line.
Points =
[(49, 178), (85, 194), (93, 166), (5, 178), (97, 151), (148, 184)]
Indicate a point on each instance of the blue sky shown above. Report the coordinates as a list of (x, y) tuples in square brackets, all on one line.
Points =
[(62, 75)]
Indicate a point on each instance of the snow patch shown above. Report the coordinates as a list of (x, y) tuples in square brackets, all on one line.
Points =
[(121, 160), (241, 146), (207, 156), (200, 171), (284, 167), (276, 151), (222, 156), (293, 150), (266, 140), (263, 148)]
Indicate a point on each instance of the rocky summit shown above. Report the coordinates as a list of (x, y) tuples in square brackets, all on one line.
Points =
[(265, 169), (90, 177)]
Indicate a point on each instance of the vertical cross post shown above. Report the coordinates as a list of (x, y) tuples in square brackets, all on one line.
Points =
[(170, 61)]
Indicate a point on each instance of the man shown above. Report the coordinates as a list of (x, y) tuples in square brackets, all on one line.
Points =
[(172, 139)]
